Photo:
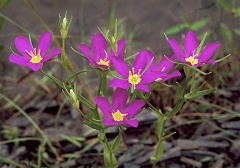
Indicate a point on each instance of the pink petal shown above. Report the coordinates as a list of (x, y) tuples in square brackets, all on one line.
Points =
[(133, 108), (84, 48), (109, 122), (149, 78), (142, 87), (54, 52), (190, 44), (121, 83), (22, 44), (133, 123), (208, 52), (17, 59), (119, 99), (177, 49), (98, 43), (104, 105), (44, 42), (142, 60), (120, 66), (36, 67), (120, 48), (171, 75), (213, 62), (165, 64)]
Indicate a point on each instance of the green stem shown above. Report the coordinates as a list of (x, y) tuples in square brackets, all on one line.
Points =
[(160, 146), (65, 61)]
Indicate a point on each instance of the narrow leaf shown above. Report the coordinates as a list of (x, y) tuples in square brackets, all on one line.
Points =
[(176, 29), (175, 110), (199, 93), (225, 5), (199, 24), (71, 79), (116, 142)]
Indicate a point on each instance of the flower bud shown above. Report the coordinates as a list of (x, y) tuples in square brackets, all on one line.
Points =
[(74, 99)]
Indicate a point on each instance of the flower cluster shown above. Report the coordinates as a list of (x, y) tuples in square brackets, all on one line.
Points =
[(139, 75)]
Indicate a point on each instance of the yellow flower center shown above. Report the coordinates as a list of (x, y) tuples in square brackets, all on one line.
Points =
[(118, 116), (134, 79), (192, 60), (158, 79), (36, 57), (103, 62)]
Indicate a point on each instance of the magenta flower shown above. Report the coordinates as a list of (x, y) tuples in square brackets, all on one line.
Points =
[(138, 77), (191, 46), (99, 56), (32, 57), (164, 67), (118, 112)]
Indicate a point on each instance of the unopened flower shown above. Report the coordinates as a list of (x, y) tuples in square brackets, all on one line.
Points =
[(74, 99), (190, 55), (139, 76), (164, 68), (118, 112), (33, 57), (100, 57)]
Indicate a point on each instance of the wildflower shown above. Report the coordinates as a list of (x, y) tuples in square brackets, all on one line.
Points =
[(191, 57), (100, 57), (118, 112), (32, 57), (139, 75), (164, 67)]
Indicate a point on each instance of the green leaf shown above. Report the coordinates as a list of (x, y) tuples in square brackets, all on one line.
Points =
[(199, 24), (160, 150), (237, 12), (199, 93), (221, 59), (4, 3), (101, 137), (176, 29), (225, 5), (73, 140), (175, 110), (201, 44), (71, 79), (179, 90), (198, 70), (116, 142), (236, 31), (206, 159)]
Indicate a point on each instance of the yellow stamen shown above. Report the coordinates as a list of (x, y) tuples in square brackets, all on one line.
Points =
[(104, 61), (134, 79), (36, 57), (192, 60), (163, 69), (158, 79), (118, 116)]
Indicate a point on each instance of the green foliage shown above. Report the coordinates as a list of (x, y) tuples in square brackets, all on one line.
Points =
[(4, 3)]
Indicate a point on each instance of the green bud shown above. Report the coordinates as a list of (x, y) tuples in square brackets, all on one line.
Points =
[(74, 99)]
